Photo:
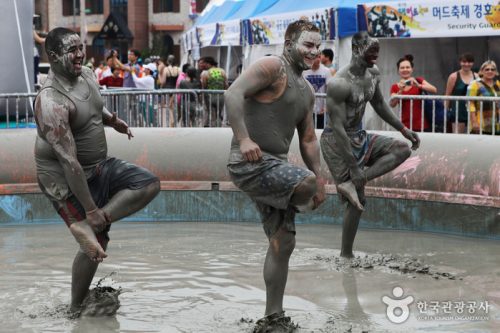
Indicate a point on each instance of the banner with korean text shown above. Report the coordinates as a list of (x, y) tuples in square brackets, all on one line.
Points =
[(430, 18), (271, 29)]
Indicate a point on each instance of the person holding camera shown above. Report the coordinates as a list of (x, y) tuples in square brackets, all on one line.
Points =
[(411, 110)]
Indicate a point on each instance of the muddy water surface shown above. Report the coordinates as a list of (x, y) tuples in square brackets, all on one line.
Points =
[(207, 277)]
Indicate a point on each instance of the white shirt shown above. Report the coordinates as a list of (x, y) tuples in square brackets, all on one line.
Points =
[(146, 82), (106, 72), (318, 79)]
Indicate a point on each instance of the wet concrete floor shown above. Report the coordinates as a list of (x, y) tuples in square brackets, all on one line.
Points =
[(207, 277)]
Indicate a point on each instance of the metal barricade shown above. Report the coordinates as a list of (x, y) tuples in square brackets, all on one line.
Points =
[(168, 107), (16, 110), (154, 108), (489, 118), (205, 108)]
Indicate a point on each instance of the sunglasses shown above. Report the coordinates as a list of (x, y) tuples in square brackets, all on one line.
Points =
[(489, 69)]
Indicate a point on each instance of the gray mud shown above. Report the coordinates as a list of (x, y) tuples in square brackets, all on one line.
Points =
[(102, 300), (207, 277), (405, 265)]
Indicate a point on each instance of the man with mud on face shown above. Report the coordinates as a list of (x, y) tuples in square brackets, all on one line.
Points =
[(88, 189), (265, 105), (354, 156)]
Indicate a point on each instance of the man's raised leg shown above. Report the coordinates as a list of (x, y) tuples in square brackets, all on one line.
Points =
[(303, 194), (399, 153), (126, 202)]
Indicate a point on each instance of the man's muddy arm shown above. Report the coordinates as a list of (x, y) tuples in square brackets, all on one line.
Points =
[(111, 119), (383, 110), (308, 142), (53, 121), (310, 152)]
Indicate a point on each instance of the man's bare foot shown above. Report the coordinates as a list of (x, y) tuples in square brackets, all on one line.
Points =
[(85, 236), (348, 190)]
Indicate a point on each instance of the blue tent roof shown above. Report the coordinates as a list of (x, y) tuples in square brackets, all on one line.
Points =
[(285, 6), (244, 9), (220, 13), (252, 8)]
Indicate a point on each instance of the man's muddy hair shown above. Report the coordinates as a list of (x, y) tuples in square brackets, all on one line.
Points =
[(294, 29), (53, 41), (361, 42)]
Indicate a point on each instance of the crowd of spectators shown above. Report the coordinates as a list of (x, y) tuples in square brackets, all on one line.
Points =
[(461, 116), (155, 73)]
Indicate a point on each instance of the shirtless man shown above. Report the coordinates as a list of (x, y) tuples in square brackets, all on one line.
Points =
[(353, 156), (88, 189), (265, 105)]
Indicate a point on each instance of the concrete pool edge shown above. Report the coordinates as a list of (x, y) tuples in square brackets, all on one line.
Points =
[(225, 205), (390, 193)]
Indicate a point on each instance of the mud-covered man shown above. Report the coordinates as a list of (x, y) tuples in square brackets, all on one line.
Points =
[(265, 105), (88, 189), (355, 157)]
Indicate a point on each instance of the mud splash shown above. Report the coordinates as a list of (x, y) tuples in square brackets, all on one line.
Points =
[(102, 300), (404, 265)]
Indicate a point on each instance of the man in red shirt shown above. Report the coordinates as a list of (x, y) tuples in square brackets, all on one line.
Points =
[(112, 81)]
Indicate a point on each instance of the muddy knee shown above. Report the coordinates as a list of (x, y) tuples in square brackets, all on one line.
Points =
[(304, 191), (152, 189), (283, 244), (402, 151)]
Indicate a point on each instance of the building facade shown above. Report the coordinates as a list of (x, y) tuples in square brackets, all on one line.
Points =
[(153, 27)]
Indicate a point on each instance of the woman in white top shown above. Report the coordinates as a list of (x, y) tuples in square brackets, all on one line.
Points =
[(147, 81)]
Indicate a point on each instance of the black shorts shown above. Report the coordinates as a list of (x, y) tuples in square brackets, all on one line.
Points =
[(108, 178)]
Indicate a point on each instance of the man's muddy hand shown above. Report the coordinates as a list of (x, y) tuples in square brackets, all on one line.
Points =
[(320, 195), (250, 150), (121, 126), (412, 136), (97, 219)]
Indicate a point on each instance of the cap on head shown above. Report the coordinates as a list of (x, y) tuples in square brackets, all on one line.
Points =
[(151, 66)]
